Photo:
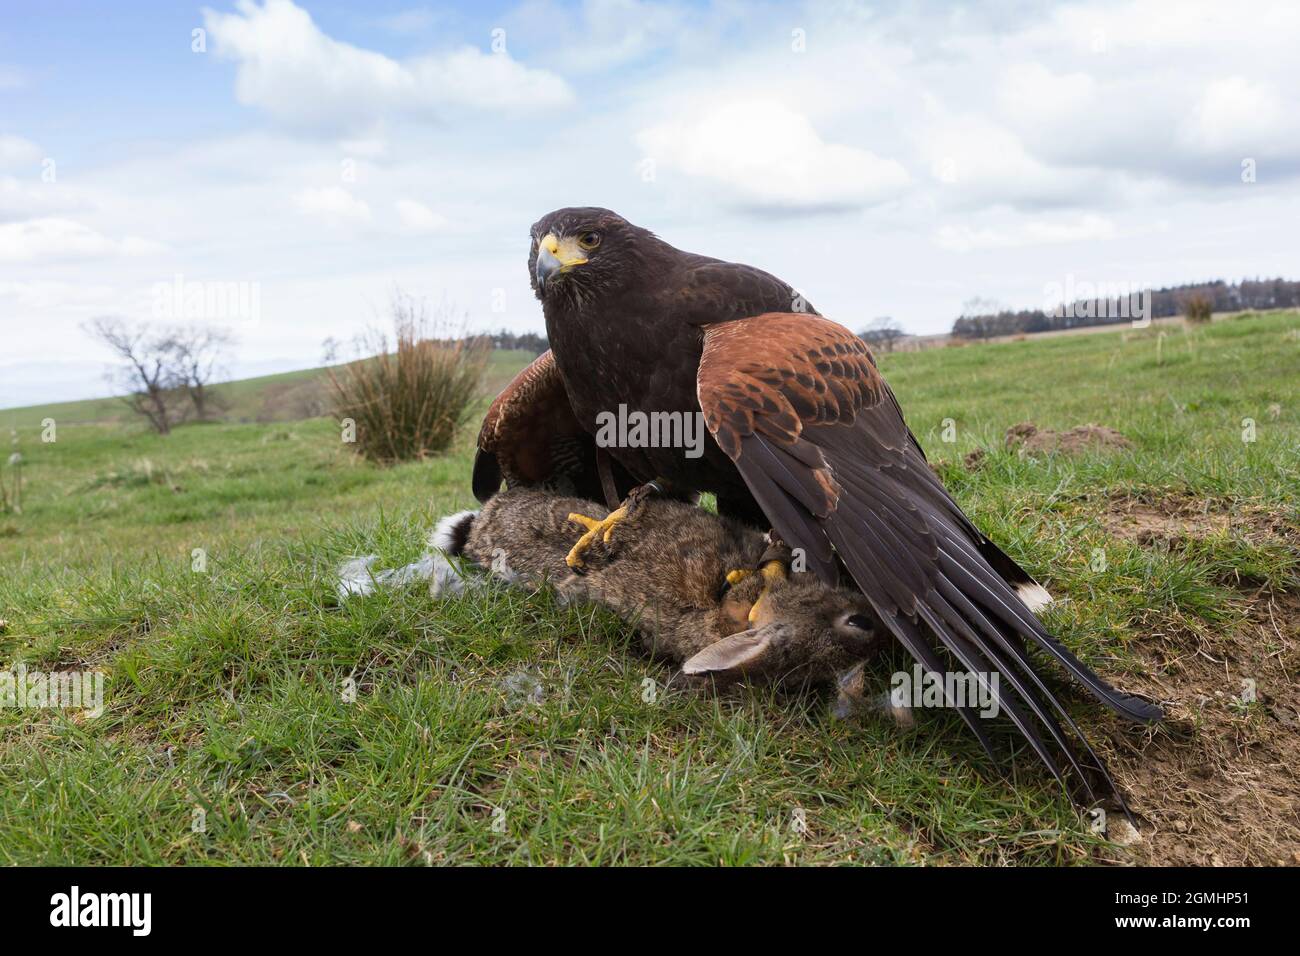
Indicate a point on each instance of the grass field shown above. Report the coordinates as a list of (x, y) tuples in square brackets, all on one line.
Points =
[(501, 728)]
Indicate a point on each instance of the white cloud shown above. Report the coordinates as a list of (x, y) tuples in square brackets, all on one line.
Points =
[(961, 238), (1178, 90), (975, 162), (1236, 113), (26, 195), (770, 156), (48, 295), (18, 200), (1032, 93), (56, 238), (373, 148), (306, 79), (417, 217), (468, 77), (18, 153), (333, 204)]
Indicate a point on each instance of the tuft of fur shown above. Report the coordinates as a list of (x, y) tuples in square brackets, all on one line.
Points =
[(355, 577), (446, 580), (451, 533)]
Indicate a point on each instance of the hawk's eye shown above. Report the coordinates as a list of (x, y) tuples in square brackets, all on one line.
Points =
[(589, 240)]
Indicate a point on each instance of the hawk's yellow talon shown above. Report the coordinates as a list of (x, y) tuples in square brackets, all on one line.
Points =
[(735, 577), (595, 526), (772, 571), (589, 523)]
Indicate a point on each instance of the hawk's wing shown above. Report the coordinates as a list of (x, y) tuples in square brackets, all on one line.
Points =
[(710, 290), (530, 436), (797, 402)]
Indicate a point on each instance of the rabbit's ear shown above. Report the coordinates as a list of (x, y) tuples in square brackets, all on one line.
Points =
[(738, 653)]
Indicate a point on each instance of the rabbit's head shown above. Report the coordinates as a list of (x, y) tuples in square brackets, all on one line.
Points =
[(801, 632)]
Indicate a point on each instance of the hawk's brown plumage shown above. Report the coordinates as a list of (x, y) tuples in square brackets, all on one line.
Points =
[(530, 437), (815, 371), (806, 437), (527, 428)]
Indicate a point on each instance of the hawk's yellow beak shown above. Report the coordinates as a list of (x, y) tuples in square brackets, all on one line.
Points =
[(557, 256)]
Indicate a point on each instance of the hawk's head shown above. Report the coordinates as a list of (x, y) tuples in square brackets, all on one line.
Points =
[(580, 253)]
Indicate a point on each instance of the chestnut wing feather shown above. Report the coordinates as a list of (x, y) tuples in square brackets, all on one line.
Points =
[(797, 403), (531, 437)]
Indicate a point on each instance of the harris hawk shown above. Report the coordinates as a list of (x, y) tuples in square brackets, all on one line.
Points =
[(804, 437)]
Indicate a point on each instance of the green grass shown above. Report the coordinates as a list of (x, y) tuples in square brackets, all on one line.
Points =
[(225, 688)]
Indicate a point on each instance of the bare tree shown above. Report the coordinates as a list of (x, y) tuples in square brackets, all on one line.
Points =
[(147, 372), (883, 332), (196, 354)]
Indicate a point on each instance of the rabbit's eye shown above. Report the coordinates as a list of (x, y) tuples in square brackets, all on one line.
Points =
[(856, 633)]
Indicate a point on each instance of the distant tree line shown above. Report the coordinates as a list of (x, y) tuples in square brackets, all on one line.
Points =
[(524, 341), (529, 342), (1108, 310)]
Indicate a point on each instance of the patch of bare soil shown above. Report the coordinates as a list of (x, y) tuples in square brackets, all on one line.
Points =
[(1029, 439), (1172, 520), (1220, 783)]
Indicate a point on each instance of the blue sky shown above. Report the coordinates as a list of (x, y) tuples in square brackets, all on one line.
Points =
[(886, 159)]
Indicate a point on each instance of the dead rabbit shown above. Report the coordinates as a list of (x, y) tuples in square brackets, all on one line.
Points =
[(704, 592)]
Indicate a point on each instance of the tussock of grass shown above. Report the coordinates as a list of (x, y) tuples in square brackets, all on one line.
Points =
[(406, 402)]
